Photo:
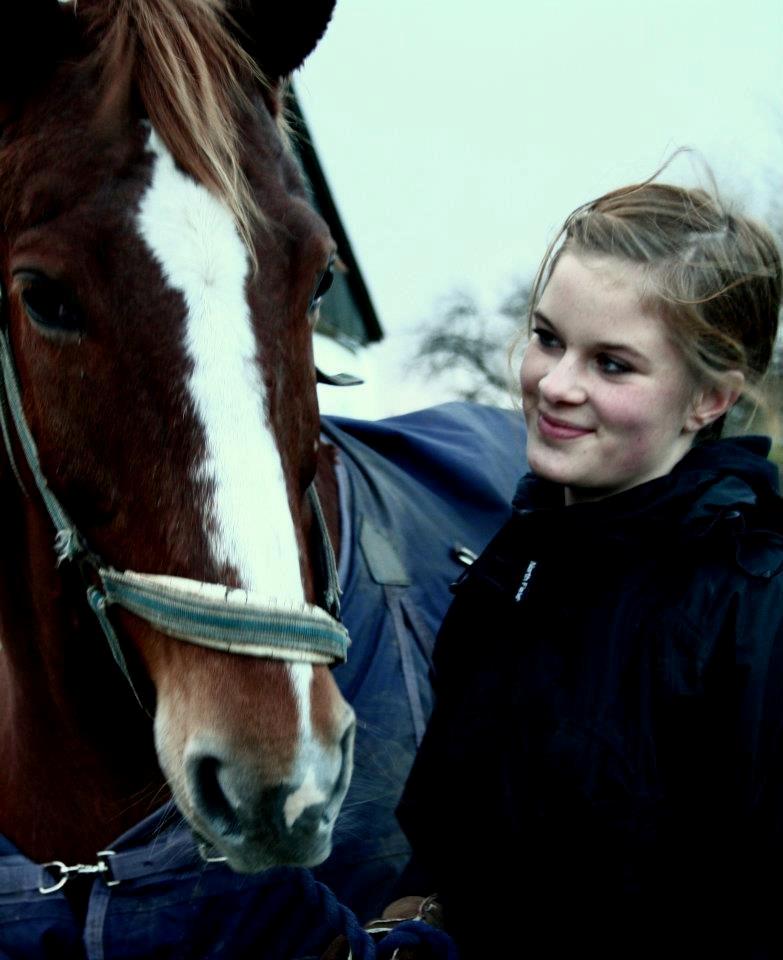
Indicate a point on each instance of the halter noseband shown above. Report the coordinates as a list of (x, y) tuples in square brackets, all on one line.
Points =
[(209, 615)]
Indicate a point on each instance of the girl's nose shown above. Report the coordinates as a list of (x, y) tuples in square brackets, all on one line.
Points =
[(563, 383)]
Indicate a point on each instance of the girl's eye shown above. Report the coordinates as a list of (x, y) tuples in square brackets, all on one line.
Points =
[(612, 365), (546, 338)]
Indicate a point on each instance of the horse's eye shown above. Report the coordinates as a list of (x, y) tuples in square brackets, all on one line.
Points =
[(48, 305), (325, 282)]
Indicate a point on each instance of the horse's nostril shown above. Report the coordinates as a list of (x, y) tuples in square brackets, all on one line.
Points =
[(210, 797), (291, 821), (309, 819), (232, 801)]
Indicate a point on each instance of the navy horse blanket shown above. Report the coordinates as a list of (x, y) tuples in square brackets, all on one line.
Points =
[(420, 494)]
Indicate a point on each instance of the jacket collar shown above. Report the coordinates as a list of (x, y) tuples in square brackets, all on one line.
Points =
[(715, 486)]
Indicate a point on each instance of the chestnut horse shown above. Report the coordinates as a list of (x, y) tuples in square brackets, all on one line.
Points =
[(160, 272)]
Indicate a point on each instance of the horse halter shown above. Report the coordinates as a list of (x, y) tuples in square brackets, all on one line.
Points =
[(206, 614)]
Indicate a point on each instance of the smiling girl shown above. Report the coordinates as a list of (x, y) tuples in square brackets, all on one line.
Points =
[(603, 771)]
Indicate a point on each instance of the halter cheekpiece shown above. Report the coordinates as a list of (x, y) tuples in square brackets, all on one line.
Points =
[(206, 614)]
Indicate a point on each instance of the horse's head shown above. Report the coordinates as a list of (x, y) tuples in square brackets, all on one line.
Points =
[(161, 269)]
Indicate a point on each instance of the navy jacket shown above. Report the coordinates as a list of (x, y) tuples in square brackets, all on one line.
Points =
[(603, 771)]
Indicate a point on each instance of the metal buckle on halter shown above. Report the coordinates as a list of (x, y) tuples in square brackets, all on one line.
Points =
[(78, 869), (205, 852)]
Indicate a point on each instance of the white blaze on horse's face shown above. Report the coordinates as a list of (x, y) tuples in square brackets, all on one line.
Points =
[(248, 519), (193, 237)]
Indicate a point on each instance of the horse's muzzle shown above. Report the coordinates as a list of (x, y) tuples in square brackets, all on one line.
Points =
[(256, 825)]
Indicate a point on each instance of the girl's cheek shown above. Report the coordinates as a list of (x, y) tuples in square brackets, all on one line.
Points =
[(635, 453), (626, 408)]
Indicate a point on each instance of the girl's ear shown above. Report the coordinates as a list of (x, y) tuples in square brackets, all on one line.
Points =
[(711, 402)]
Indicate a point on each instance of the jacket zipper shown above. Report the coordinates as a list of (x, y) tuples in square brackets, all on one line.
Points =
[(525, 580)]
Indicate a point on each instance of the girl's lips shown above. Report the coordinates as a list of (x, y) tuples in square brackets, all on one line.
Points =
[(559, 429)]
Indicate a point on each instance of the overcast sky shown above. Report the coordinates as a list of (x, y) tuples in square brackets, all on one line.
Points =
[(457, 136)]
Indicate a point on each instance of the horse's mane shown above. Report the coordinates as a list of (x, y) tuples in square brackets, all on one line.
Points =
[(194, 81)]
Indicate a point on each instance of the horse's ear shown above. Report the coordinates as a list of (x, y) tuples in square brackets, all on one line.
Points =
[(31, 32), (280, 36)]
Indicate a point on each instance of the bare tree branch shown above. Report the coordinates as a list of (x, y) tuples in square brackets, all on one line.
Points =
[(472, 345)]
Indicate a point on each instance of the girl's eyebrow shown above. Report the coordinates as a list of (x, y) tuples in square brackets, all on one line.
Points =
[(537, 315), (602, 346), (621, 348)]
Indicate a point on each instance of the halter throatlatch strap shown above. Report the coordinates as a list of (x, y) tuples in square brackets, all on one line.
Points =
[(210, 615), (328, 566)]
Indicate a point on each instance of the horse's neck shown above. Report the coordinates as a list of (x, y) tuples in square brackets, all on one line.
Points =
[(78, 758)]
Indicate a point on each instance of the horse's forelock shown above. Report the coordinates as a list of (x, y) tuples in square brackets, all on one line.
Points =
[(194, 81)]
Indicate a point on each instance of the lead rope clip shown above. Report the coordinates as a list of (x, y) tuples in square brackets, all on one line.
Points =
[(78, 870)]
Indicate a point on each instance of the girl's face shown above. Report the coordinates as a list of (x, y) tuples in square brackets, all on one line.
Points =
[(608, 399)]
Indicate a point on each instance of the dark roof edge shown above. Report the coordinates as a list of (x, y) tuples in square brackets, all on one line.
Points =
[(325, 201)]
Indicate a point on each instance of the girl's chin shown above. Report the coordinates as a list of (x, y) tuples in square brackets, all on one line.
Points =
[(578, 485), (549, 467)]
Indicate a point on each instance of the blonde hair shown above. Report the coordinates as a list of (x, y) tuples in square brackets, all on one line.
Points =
[(714, 277)]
